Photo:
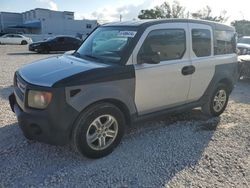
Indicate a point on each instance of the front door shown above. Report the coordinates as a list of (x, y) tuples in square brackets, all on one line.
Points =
[(163, 85)]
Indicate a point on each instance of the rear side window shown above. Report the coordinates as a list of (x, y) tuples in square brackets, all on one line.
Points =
[(17, 36), (170, 44), (225, 42), (72, 40), (201, 42)]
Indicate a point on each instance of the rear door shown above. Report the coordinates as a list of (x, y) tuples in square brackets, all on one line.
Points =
[(17, 39), (57, 44), (11, 39), (61, 44), (69, 43), (202, 57), (163, 85)]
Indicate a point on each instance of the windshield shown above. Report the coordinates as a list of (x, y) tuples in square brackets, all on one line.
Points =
[(107, 44), (244, 40)]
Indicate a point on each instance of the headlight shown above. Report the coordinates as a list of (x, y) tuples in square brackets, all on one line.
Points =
[(35, 45), (39, 99)]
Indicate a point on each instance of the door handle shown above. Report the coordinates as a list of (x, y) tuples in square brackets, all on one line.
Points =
[(187, 70)]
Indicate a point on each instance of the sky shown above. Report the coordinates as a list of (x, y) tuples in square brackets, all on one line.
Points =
[(110, 10)]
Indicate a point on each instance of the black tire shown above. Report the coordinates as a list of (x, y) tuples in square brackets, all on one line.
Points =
[(209, 107), (83, 125), (24, 42)]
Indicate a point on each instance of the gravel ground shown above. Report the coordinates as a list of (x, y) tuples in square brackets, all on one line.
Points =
[(187, 150)]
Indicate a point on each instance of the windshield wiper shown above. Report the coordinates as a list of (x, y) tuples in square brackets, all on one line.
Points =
[(90, 56), (77, 54)]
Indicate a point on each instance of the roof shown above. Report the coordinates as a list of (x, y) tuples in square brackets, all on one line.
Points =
[(150, 22)]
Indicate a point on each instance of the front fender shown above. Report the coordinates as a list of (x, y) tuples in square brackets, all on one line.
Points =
[(122, 90)]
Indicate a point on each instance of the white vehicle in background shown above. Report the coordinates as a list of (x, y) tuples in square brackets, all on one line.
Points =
[(15, 39), (244, 45)]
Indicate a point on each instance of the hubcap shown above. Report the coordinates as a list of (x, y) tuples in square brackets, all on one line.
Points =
[(219, 100), (102, 132)]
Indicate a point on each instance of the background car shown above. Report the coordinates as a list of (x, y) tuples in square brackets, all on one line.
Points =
[(244, 45), (15, 39), (244, 66), (58, 43)]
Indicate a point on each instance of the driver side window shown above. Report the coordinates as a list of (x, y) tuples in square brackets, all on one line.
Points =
[(170, 44)]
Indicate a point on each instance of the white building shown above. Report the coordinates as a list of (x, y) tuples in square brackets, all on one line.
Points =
[(45, 22)]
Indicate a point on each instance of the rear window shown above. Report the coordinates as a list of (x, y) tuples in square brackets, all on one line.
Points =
[(17, 36), (201, 42), (225, 42)]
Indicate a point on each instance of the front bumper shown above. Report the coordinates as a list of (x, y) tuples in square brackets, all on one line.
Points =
[(31, 48), (51, 126)]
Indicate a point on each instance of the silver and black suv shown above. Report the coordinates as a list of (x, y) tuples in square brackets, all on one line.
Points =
[(122, 73)]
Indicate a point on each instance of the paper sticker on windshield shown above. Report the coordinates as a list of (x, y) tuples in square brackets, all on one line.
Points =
[(127, 34)]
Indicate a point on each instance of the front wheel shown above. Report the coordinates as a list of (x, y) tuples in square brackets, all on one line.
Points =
[(98, 130), (217, 102)]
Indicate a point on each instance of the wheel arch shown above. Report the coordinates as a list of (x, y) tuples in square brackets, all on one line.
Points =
[(117, 103), (228, 82)]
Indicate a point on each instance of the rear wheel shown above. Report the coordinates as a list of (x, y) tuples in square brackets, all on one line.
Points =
[(98, 130), (217, 102), (24, 42)]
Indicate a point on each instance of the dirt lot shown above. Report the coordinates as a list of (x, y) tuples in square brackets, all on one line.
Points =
[(187, 150)]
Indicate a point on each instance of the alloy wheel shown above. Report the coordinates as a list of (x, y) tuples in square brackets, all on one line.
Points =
[(102, 132)]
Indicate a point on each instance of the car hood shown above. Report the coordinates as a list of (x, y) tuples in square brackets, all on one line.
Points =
[(242, 45), (48, 71)]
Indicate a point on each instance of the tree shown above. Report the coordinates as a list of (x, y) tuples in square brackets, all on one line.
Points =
[(242, 27), (165, 10), (150, 14), (206, 14)]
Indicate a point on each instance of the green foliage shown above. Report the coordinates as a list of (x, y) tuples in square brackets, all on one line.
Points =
[(206, 14), (242, 27), (175, 10), (164, 11)]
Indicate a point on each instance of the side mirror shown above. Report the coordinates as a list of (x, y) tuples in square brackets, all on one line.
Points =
[(152, 58)]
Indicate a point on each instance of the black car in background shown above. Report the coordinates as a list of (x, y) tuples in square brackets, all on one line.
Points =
[(58, 43)]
